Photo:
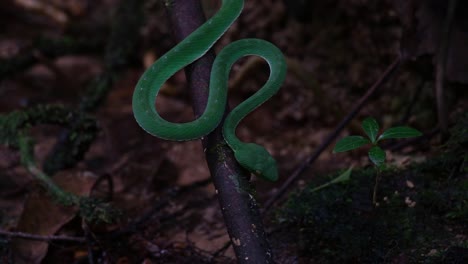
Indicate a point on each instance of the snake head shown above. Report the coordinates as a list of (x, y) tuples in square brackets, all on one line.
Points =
[(257, 160)]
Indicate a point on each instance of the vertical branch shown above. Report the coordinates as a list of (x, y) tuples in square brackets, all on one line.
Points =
[(441, 66), (240, 211)]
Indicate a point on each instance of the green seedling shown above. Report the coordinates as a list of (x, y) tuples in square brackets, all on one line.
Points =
[(376, 154)]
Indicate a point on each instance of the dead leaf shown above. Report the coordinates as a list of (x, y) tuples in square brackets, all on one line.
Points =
[(43, 216)]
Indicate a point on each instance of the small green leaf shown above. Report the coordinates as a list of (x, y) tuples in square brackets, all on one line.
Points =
[(377, 155), (371, 127), (349, 143), (400, 132), (344, 177)]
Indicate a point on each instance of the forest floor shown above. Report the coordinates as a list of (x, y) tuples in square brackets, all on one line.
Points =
[(334, 55)]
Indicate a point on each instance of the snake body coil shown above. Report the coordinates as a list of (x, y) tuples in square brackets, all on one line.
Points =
[(251, 156)]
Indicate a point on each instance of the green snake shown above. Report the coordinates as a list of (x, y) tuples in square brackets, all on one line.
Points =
[(252, 157)]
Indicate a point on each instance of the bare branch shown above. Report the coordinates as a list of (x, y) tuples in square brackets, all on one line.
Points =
[(354, 111), (42, 238), (240, 210)]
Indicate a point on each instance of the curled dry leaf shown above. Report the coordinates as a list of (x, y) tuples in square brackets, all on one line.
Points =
[(43, 216)]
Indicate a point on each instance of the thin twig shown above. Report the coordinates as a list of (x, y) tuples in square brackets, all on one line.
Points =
[(222, 249), (90, 238), (133, 226), (42, 238), (357, 107), (376, 186), (441, 66), (158, 205)]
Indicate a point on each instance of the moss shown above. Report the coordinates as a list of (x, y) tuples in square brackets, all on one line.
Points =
[(96, 211), (82, 134), (340, 224)]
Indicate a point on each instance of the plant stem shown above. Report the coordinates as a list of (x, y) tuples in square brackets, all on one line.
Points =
[(377, 179)]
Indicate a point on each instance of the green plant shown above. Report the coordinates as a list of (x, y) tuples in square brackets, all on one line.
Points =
[(376, 154)]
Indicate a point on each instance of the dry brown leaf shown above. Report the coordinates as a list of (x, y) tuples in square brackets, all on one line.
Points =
[(43, 216)]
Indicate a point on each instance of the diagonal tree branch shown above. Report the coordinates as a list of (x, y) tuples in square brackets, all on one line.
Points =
[(240, 210), (391, 69)]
